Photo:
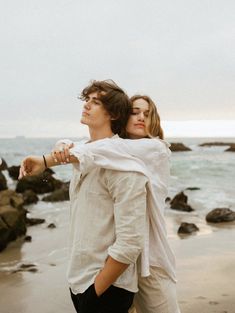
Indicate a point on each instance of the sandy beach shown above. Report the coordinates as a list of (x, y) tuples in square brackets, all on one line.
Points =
[(205, 269)]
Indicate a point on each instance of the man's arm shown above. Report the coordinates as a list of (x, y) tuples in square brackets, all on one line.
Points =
[(129, 194), (109, 274)]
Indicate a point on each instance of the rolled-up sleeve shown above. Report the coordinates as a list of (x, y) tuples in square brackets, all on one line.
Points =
[(128, 190)]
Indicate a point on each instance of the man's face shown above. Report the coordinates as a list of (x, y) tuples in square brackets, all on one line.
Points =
[(94, 114)]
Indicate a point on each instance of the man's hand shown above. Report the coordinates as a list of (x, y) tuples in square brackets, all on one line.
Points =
[(61, 153), (108, 275), (30, 166)]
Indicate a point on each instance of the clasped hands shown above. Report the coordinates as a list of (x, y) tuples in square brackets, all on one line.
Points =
[(34, 165)]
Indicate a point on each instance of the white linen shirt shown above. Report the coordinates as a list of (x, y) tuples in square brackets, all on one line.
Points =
[(147, 156), (107, 218)]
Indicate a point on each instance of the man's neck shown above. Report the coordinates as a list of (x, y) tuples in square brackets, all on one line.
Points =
[(100, 134)]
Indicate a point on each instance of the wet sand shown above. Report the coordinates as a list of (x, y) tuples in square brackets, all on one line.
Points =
[(205, 270)]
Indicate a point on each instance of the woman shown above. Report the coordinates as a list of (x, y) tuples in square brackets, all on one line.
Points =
[(157, 288)]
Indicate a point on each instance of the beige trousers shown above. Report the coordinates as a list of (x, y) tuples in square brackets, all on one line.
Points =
[(157, 294)]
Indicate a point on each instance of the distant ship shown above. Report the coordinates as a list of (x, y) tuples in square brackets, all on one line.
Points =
[(20, 137)]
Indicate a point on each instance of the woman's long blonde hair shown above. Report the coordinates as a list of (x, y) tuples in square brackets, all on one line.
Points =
[(154, 128)]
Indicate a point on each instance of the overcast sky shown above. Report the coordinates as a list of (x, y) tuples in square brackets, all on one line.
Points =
[(181, 53)]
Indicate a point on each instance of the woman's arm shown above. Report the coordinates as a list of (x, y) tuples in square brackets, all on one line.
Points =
[(116, 153)]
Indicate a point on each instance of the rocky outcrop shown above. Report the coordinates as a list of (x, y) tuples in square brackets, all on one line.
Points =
[(30, 197), (10, 197), (3, 164), (14, 171), (12, 217), (3, 182), (220, 215), (231, 149), (187, 228), (216, 143), (177, 147), (180, 203), (51, 225), (40, 184), (58, 195)]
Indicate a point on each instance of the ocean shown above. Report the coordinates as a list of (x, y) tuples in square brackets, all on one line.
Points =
[(208, 253), (208, 168)]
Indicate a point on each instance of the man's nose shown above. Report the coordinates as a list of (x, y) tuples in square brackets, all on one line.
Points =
[(87, 105)]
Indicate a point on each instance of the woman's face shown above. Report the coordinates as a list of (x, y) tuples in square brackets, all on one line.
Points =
[(136, 125)]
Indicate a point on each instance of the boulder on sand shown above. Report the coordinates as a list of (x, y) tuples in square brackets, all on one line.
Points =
[(220, 215), (12, 217), (187, 228), (179, 203), (3, 182), (34, 221)]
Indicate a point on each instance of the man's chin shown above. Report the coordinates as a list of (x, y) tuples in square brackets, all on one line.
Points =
[(83, 121)]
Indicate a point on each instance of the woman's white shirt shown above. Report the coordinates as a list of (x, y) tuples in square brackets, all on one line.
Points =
[(151, 158)]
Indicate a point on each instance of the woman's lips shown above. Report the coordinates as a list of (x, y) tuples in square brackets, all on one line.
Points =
[(140, 125)]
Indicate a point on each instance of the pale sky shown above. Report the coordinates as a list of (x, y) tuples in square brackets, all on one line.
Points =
[(181, 53)]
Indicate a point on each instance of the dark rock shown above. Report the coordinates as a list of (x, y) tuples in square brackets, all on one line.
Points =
[(12, 217), (40, 184), (10, 197), (34, 221), (3, 164), (220, 215), (26, 268), (216, 143), (179, 202), (28, 238), (231, 149), (3, 182), (14, 171), (58, 195), (175, 147), (30, 197), (192, 188), (51, 225), (187, 228), (5, 234), (12, 224)]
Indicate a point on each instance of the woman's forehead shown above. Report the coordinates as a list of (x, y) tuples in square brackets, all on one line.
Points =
[(140, 104)]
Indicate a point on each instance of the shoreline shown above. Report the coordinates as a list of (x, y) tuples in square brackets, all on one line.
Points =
[(205, 270)]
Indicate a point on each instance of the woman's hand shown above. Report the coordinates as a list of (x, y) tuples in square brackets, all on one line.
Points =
[(30, 166), (61, 153)]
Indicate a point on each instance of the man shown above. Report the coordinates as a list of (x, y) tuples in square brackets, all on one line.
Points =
[(108, 212)]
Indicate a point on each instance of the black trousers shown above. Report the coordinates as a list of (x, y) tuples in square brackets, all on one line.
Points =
[(113, 300)]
